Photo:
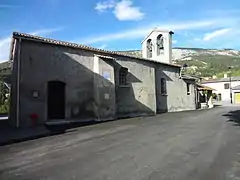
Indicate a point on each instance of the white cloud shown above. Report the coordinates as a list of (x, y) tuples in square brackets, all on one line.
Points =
[(222, 41), (44, 32), (217, 39), (103, 46), (215, 34), (4, 48), (5, 42), (124, 11), (141, 32), (197, 39), (130, 34), (102, 6)]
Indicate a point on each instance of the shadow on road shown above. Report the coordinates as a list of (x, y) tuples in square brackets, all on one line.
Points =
[(9, 134), (59, 129), (234, 117)]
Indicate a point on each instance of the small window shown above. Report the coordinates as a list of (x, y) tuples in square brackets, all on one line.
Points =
[(226, 86), (123, 76), (219, 96), (188, 89), (163, 86)]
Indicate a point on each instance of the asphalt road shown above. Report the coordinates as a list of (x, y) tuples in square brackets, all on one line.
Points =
[(187, 146)]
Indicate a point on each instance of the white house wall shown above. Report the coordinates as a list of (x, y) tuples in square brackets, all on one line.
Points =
[(219, 87)]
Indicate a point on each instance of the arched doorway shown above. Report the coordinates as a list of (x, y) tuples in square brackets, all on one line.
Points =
[(56, 100)]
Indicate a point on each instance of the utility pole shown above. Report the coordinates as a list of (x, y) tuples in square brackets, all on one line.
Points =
[(230, 83)]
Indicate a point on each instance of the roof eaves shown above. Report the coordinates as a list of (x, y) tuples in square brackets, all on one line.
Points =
[(75, 45), (236, 87), (188, 78), (220, 80), (184, 76), (203, 87)]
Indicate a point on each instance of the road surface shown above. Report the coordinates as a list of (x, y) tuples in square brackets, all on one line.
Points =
[(187, 146)]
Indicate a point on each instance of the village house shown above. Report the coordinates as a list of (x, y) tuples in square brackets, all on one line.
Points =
[(56, 81), (226, 88)]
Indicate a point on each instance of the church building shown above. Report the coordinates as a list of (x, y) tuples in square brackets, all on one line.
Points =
[(61, 82)]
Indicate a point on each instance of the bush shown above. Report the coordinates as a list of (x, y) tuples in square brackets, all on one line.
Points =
[(214, 96), (4, 99), (4, 109)]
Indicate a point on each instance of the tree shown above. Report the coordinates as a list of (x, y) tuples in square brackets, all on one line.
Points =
[(4, 99)]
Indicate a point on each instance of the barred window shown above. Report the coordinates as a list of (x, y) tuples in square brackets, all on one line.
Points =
[(163, 86), (123, 76)]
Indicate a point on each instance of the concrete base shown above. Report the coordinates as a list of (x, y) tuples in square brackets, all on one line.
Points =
[(203, 106), (210, 105)]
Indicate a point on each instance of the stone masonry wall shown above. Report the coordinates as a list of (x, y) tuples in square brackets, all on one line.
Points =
[(92, 84), (176, 98), (41, 63), (139, 97)]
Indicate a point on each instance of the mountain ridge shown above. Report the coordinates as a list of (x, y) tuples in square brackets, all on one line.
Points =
[(189, 51), (203, 62)]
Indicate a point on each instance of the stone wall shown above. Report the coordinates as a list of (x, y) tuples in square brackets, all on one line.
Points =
[(138, 98), (176, 98), (104, 89), (41, 63), (90, 93), (92, 89)]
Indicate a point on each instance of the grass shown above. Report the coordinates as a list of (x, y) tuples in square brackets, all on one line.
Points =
[(209, 65)]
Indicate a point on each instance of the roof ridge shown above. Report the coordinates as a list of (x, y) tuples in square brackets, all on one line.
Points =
[(60, 42), (85, 47)]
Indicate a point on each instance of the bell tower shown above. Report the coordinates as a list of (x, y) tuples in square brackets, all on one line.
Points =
[(158, 46)]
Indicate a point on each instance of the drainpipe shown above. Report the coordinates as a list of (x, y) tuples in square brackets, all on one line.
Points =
[(230, 83), (18, 81)]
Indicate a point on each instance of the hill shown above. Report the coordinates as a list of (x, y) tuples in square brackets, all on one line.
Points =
[(5, 71), (204, 62)]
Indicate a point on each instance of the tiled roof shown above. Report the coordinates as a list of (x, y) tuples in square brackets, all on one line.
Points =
[(186, 76), (236, 87), (74, 45), (203, 87), (234, 78)]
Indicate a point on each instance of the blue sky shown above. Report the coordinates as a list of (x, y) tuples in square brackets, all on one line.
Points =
[(122, 24)]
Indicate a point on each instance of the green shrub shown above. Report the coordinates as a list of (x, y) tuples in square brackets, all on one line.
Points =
[(214, 95), (4, 109), (4, 99)]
